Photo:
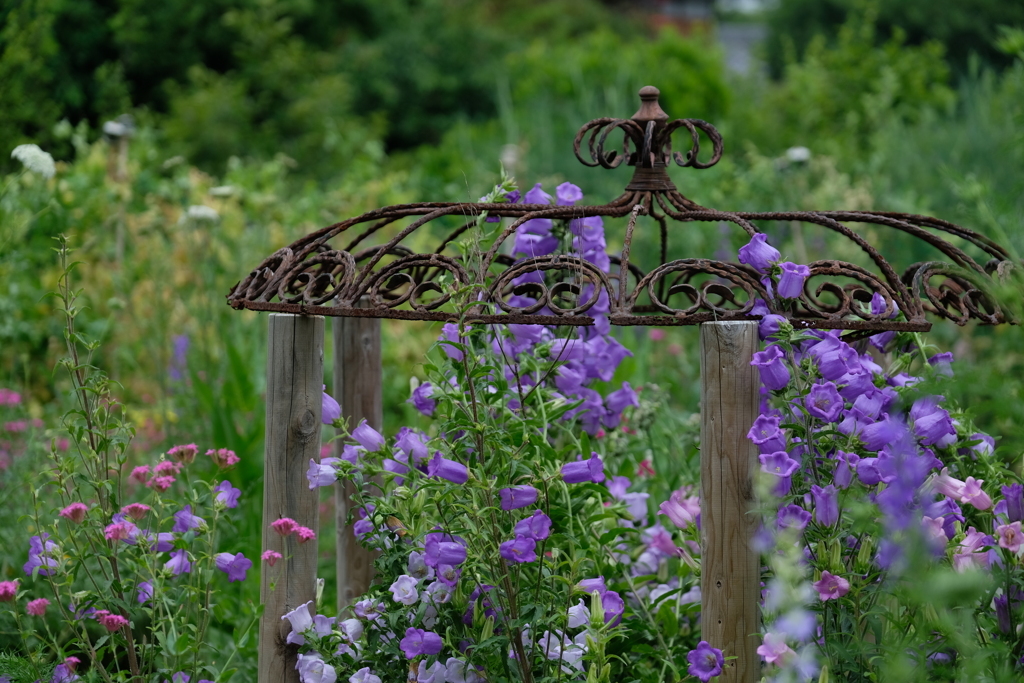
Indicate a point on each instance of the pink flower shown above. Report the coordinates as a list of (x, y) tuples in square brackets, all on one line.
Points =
[(37, 607), (774, 649), (9, 397), (72, 663), (972, 550), (166, 467), (271, 557), (947, 485), (74, 512), (111, 622), (117, 531), (140, 474), (223, 457), (1010, 537), (973, 495), (8, 590), (136, 510), (304, 534), (284, 526), (184, 454), (655, 334), (645, 469), (934, 532), (831, 587), (161, 484)]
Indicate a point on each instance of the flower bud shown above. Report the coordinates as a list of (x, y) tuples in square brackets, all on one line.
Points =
[(402, 493), (835, 556), (663, 571), (864, 555), (488, 629), (596, 611)]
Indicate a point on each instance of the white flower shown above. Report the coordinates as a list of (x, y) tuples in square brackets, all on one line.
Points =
[(579, 615), (222, 191), (198, 213), (435, 673), (404, 590), (364, 675), (798, 154), (429, 616), (301, 622), (351, 629), (35, 160)]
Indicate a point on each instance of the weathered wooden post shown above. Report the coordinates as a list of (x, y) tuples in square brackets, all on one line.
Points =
[(730, 567), (358, 377), (295, 368)]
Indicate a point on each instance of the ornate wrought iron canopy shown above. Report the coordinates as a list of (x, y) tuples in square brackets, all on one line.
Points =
[(328, 273)]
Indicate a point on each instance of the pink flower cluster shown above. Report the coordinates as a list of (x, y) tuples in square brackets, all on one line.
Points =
[(165, 472), (111, 622), (224, 457), (9, 397), (287, 526)]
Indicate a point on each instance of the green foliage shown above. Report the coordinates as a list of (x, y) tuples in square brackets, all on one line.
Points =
[(964, 28)]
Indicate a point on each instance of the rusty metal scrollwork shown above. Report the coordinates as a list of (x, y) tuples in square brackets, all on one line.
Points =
[(393, 280)]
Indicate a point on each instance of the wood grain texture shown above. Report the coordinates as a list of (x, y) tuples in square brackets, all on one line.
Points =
[(295, 368), (358, 388), (730, 568)]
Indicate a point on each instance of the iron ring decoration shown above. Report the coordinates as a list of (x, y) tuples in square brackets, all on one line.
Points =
[(587, 272), (334, 271), (737, 275)]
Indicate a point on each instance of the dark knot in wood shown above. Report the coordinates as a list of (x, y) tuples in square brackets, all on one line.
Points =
[(305, 426)]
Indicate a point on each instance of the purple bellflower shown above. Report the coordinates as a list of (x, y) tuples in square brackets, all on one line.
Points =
[(584, 470), (419, 642), (517, 497), (824, 402), (421, 400), (227, 494), (235, 566), (443, 468), (329, 409), (519, 549), (759, 254), (791, 282), (826, 505), (537, 526), (368, 437), (772, 366), (706, 662)]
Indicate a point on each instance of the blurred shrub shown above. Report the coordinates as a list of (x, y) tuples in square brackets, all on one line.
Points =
[(964, 28)]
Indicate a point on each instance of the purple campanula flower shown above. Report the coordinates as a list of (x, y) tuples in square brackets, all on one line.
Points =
[(313, 669), (179, 359), (793, 517), (235, 566), (404, 590), (421, 400), (517, 497), (590, 585), (41, 554), (774, 649), (705, 662), (519, 549), (413, 444), (845, 469), (450, 333), (584, 470), (568, 194), (617, 401), (974, 495), (759, 254), (418, 568), (443, 468), (875, 436), (932, 424), (329, 409), (614, 607), (525, 245), (868, 472), (766, 434), (439, 552), (791, 282), (985, 448), (419, 642), (145, 593), (227, 494), (1002, 605), (321, 474), (179, 563), (1013, 494), (617, 486), (448, 574), (772, 366), (681, 511), (831, 587), (824, 402), (368, 437), (943, 364), (536, 195), (184, 520), (778, 464), (826, 505), (537, 526), (364, 675)]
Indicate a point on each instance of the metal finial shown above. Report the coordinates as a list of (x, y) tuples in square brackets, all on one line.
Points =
[(650, 109)]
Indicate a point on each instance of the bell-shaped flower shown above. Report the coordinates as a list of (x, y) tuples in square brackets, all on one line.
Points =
[(759, 254), (824, 402), (368, 437), (443, 468), (771, 364)]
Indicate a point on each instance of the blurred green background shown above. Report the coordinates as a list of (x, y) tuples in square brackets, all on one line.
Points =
[(286, 115)]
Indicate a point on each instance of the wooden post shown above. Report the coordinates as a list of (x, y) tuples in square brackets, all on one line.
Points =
[(730, 572), (295, 368), (358, 388)]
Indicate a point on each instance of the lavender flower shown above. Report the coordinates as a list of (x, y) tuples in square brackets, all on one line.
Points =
[(520, 549), (706, 662), (145, 592), (517, 497), (778, 463), (772, 366), (537, 526), (584, 470), (227, 495), (568, 194), (759, 254), (419, 642), (235, 566), (824, 402), (368, 437), (179, 563), (322, 473), (450, 333), (791, 282), (421, 400), (681, 511), (184, 520), (826, 505), (613, 606), (793, 517), (404, 590), (1013, 494), (329, 408), (444, 468)]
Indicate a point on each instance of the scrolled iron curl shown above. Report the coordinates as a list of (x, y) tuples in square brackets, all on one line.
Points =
[(653, 144), (383, 285), (686, 270), (960, 297), (585, 272), (259, 284), (318, 279), (853, 298)]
